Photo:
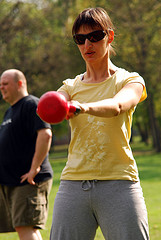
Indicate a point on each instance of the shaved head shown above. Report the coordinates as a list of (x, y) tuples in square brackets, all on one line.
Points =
[(15, 74), (13, 85)]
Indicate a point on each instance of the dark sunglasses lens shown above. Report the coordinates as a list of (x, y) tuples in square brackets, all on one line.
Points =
[(92, 37), (96, 36), (79, 39)]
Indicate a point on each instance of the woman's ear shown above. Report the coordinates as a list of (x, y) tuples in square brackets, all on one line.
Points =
[(110, 36)]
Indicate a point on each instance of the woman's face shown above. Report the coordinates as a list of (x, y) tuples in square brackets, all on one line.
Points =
[(93, 52)]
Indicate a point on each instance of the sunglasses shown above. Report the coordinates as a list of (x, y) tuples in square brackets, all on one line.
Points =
[(92, 37)]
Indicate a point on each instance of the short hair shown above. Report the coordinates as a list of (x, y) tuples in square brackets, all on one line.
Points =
[(94, 17), (18, 75)]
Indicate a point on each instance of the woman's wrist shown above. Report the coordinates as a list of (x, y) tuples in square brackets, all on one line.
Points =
[(84, 108)]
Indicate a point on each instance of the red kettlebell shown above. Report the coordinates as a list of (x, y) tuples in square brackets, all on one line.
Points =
[(53, 107)]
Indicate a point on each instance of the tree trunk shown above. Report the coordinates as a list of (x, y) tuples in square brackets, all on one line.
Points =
[(155, 130), (142, 128)]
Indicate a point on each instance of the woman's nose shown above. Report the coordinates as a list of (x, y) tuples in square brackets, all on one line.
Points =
[(87, 43)]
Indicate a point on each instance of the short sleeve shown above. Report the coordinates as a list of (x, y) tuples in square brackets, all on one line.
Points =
[(135, 78), (32, 120), (69, 85)]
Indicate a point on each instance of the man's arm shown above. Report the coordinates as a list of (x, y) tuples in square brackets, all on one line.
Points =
[(43, 143)]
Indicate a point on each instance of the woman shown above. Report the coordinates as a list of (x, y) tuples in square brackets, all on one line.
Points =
[(100, 184)]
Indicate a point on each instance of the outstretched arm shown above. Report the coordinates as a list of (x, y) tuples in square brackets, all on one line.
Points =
[(43, 144), (127, 98)]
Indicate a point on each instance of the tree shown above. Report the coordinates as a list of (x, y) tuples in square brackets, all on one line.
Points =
[(138, 44), (36, 38)]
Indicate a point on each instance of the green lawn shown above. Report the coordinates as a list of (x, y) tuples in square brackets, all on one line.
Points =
[(149, 164)]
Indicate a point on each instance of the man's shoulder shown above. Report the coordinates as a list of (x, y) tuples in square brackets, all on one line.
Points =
[(29, 101)]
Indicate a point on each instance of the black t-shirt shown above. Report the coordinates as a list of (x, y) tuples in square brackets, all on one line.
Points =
[(18, 133)]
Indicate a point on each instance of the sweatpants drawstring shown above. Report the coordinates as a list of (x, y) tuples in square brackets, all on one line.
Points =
[(87, 184)]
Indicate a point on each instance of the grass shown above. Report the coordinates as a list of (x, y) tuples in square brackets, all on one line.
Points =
[(150, 175), (149, 164)]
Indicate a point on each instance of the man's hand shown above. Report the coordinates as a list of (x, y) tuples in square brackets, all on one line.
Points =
[(30, 176), (43, 143)]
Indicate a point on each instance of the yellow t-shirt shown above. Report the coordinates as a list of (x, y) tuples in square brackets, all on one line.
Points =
[(99, 147)]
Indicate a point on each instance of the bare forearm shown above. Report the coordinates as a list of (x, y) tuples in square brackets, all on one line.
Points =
[(124, 100), (104, 108), (127, 98), (43, 144)]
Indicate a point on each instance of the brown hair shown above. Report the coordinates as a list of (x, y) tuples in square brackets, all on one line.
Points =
[(94, 17)]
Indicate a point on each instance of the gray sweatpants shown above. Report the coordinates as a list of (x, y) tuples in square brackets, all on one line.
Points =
[(117, 206)]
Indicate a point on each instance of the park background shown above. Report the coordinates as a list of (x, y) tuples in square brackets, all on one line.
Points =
[(35, 37)]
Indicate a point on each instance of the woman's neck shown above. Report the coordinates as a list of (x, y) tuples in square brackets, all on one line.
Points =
[(99, 72)]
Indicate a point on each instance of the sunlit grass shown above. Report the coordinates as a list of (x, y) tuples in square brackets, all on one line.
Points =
[(149, 164)]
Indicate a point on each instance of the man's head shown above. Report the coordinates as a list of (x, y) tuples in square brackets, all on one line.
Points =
[(13, 86)]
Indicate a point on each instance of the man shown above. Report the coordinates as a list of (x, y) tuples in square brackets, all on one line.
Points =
[(25, 172)]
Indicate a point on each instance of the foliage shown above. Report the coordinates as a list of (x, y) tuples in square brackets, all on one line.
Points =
[(36, 38)]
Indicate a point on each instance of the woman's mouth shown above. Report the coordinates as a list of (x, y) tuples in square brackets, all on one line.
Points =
[(89, 53)]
